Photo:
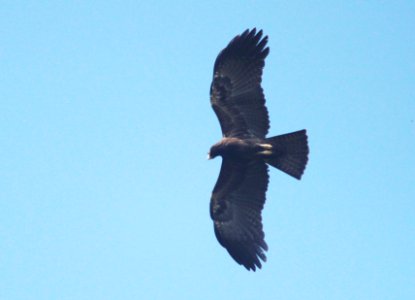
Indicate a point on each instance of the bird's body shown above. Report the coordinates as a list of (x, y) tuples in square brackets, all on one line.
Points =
[(239, 194), (232, 147)]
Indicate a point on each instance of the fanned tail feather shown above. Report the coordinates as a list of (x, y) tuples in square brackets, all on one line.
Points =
[(289, 153)]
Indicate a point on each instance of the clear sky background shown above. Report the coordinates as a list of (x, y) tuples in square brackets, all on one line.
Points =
[(105, 124)]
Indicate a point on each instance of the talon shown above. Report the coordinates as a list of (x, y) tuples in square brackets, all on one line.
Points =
[(266, 146), (266, 153)]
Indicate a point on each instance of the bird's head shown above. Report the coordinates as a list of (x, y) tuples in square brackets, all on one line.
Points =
[(213, 152)]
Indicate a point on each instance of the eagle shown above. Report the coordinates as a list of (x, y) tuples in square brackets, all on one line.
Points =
[(239, 194)]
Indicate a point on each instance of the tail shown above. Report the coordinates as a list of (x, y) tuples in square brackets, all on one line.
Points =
[(289, 153)]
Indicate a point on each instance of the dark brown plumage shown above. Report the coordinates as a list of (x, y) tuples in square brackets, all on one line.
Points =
[(238, 197)]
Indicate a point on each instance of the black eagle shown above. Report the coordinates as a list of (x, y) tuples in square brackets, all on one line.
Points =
[(238, 197)]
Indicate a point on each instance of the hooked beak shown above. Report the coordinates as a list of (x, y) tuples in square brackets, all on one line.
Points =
[(209, 157)]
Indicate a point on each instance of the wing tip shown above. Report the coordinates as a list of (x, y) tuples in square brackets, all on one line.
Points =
[(254, 38), (249, 256), (248, 253), (249, 42)]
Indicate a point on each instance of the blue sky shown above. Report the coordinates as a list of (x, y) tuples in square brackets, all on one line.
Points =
[(105, 123)]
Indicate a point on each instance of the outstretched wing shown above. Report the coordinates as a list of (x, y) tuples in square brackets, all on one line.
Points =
[(236, 94), (235, 207)]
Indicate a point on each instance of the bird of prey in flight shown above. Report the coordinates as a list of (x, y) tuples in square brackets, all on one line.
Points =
[(238, 197)]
